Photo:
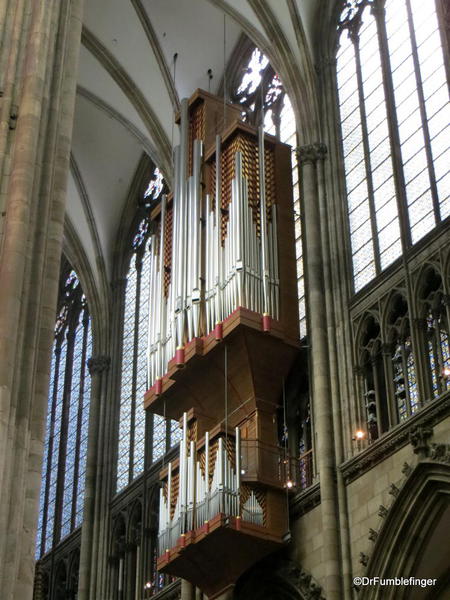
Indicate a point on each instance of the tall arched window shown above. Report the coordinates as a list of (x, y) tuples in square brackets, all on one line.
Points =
[(162, 433), (395, 115), (65, 451), (260, 92)]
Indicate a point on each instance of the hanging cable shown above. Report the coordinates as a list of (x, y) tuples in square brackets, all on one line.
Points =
[(210, 76), (224, 69), (288, 481), (226, 392), (175, 56)]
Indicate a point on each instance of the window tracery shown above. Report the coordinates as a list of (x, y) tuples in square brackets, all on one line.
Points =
[(393, 102), (66, 433)]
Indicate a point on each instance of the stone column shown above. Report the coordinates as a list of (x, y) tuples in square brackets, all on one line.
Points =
[(98, 367), (107, 448), (187, 590), (198, 594), (320, 365), (329, 258), (40, 54)]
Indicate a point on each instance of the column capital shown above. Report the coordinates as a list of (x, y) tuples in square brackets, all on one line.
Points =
[(311, 153), (420, 323), (325, 62), (118, 284), (98, 364)]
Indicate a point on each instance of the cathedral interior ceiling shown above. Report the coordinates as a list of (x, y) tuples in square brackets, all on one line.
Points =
[(128, 91)]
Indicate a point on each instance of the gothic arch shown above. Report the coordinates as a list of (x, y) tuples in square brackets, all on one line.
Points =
[(413, 532), (60, 581), (276, 578)]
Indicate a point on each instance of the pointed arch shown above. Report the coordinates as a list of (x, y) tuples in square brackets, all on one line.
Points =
[(413, 530)]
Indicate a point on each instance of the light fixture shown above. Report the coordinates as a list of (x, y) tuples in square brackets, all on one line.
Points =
[(446, 371), (289, 484), (148, 585), (359, 435), (242, 471)]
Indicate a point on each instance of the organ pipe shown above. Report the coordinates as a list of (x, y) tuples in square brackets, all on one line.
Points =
[(214, 272)]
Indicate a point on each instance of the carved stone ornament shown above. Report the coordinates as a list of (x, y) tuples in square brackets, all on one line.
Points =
[(299, 579), (373, 535), (382, 511), (363, 559), (311, 153), (440, 453), (98, 364), (419, 441), (324, 63), (118, 285), (393, 490), (407, 469)]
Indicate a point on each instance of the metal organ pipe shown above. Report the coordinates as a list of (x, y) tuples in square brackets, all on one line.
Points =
[(238, 458), (196, 501), (217, 257), (241, 271), (169, 492), (262, 205)]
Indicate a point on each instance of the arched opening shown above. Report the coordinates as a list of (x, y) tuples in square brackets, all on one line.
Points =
[(412, 540)]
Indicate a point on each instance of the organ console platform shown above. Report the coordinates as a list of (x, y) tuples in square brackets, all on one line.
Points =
[(223, 336)]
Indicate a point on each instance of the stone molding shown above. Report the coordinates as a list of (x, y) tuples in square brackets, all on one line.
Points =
[(305, 501), (170, 592), (396, 438), (98, 364)]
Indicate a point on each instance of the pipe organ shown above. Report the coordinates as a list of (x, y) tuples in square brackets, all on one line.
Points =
[(223, 333)]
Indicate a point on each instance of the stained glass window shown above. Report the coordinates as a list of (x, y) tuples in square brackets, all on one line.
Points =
[(133, 441), (438, 353), (262, 96), (390, 71), (435, 334), (405, 381), (65, 449), (374, 396)]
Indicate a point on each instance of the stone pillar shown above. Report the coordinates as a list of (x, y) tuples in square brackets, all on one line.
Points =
[(187, 590), (98, 366), (309, 156), (107, 449), (40, 59)]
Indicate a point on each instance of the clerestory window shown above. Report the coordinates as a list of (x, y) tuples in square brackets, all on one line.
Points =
[(395, 124), (66, 432), (134, 439)]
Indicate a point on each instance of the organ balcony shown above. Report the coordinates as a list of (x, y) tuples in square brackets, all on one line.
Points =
[(214, 510)]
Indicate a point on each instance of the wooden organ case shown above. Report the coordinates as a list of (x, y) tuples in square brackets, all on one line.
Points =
[(223, 335)]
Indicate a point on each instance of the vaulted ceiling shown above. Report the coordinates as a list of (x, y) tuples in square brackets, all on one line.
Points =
[(129, 86)]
